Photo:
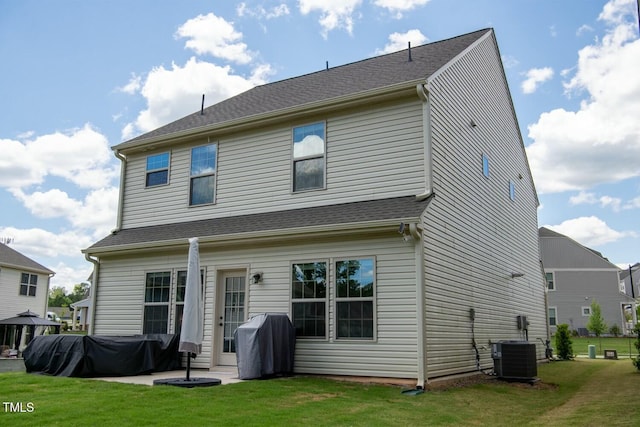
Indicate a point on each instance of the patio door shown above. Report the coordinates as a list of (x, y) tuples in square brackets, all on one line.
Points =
[(231, 313)]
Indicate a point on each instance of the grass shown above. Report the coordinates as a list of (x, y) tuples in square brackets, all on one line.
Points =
[(580, 345), (581, 392)]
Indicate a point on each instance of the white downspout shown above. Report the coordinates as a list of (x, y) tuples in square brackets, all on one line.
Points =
[(420, 295), (123, 170), (423, 94), (94, 292)]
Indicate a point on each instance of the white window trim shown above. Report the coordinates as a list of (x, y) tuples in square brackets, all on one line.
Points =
[(147, 171), (29, 285), (337, 299), (293, 159), (584, 309), (546, 282), (549, 317), (214, 173), (327, 320), (162, 303)]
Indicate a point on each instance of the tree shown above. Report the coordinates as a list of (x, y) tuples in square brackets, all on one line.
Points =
[(80, 292), (596, 323), (563, 342), (58, 297)]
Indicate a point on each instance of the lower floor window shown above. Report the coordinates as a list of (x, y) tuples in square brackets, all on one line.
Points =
[(553, 319), (156, 318), (156, 300), (352, 294)]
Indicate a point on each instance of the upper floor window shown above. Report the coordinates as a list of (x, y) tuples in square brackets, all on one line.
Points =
[(355, 283), (308, 157), (203, 174), (485, 165), (157, 170), (512, 190), (551, 284), (28, 284)]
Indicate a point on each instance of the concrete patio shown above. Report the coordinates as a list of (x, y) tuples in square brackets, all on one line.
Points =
[(226, 374)]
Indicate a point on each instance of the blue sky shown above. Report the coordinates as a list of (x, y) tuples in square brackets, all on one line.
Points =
[(81, 76)]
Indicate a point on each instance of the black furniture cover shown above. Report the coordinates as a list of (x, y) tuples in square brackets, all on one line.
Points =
[(94, 356), (265, 346)]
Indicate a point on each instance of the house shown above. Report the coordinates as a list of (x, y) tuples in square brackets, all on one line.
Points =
[(385, 205), (576, 276), (24, 287)]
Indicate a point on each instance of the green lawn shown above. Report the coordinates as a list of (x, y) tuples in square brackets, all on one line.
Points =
[(581, 392), (621, 345)]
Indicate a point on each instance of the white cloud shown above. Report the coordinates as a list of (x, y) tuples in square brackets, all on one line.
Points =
[(535, 77), (176, 92), (399, 41), (575, 150), (37, 243), (399, 6), (211, 34), (81, 156), (509, 61), (586, 198), (97, 212), (68, 276), (632, 204), (589, 231), (260, 12), (334, 13), (132, 86), (584, 29)]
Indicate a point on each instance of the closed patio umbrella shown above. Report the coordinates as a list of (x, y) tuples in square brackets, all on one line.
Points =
[(192, 330)]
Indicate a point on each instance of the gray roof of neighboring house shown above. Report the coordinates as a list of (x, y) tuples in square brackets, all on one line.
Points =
[(350, 79), (559, 255), (11, 258), (397, 208)]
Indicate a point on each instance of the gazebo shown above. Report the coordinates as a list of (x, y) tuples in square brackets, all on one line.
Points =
[(27, 319)]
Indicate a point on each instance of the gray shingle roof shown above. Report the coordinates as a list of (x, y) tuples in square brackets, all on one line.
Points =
[(9, 257), (398, 208), (350, 79)]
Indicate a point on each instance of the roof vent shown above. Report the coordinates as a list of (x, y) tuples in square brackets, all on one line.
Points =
[(409, 51), (202, 106)]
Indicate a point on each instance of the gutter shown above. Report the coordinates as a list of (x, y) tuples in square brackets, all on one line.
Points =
[(123, 170), (94, 292), (328, 230), (423, 94)]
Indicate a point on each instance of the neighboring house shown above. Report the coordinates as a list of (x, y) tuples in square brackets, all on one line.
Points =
[(385, 205), (631, 278), (81, 313), (24, 284), (576, 276), (24, 287)]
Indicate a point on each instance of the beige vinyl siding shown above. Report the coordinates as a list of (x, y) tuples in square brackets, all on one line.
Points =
[(370, 154), (391, 354), (14, 303), (474, 234)]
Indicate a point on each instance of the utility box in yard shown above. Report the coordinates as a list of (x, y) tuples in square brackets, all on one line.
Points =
[(515, 360)]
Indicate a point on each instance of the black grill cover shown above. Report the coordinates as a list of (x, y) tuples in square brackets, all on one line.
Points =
[(265, 346), (93, 356)]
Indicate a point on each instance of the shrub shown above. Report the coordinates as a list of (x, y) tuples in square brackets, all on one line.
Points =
[(615, 330), (636, 361), (563, 342)]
